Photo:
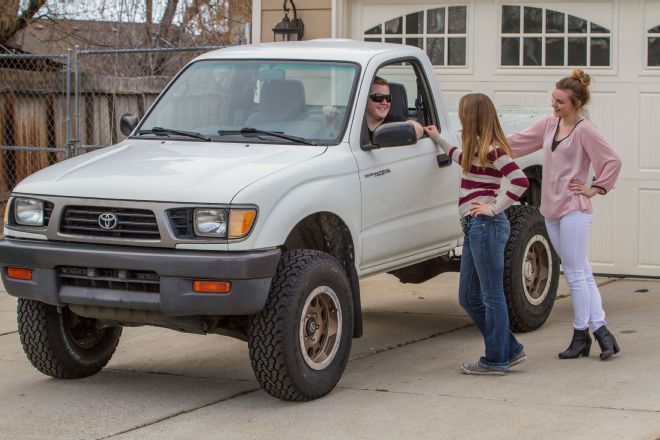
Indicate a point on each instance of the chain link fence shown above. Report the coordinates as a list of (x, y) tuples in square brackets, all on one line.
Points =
[(53, 107), (35, 99)]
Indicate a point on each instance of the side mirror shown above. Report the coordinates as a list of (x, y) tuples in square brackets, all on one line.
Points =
[(127, 123), (393, 134)]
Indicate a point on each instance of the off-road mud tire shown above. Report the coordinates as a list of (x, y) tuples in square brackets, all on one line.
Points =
[(48, 341), (274, 335), (529, 307)]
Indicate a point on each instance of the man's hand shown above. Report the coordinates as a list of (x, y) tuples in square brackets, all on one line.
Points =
[(419, 130), (577, 187), (330, 113), (481, 208)]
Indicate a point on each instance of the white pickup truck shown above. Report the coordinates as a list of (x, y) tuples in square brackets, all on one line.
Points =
[(248, 202)]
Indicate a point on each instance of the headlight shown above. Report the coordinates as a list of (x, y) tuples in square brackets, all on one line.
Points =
[(28, 212), (209, 222)]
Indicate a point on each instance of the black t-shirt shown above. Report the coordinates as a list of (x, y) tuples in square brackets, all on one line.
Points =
[(388, 118)]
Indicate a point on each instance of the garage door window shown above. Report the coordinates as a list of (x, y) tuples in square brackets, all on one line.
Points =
[(653, 54), (538, 37), (441, 32)]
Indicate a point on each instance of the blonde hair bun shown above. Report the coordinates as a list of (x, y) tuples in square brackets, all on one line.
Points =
[(580, 75)]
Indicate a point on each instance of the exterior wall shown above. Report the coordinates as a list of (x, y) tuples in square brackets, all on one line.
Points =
[(315, 14)]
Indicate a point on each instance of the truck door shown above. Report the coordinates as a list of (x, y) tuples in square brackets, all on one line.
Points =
[(409, 202)]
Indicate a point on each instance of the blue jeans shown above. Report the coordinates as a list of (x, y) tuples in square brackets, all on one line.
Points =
[(481, 289)]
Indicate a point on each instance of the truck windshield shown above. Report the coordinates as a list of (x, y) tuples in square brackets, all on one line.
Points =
[(220, 98)]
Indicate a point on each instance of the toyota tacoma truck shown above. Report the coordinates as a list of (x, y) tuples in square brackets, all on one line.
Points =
[(249, 201)]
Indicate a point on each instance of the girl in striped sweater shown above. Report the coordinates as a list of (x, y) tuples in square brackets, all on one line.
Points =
[(485, 159)]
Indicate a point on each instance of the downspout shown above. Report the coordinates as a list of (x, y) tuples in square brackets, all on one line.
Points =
[(339, 19), (335, 19), (256, 21)]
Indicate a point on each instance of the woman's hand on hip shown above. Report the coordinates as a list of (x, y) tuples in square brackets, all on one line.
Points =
[(480, 208), (577, 187)]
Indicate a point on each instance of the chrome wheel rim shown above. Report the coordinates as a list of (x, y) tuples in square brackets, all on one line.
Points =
[(320, 328)]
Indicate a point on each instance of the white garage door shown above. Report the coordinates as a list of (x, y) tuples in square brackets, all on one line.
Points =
[(514, 52)]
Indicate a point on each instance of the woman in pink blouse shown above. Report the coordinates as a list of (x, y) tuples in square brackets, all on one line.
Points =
[(570, 145)]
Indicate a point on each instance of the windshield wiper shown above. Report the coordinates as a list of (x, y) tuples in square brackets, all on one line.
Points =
[(167, 131), (277, 134)]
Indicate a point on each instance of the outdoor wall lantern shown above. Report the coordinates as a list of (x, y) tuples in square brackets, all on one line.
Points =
[(287, 29)]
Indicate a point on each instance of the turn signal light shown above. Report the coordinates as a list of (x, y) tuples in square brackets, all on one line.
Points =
[(6, 218), (19, 273), (211, 286), (240, 222)]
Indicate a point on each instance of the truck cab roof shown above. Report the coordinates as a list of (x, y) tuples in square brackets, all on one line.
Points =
[(326, 49)]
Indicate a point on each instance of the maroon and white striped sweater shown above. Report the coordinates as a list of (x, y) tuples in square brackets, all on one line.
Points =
[(483, 183)]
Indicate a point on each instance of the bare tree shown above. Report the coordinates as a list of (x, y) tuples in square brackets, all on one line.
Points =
[(201, 23), (13, 18), (168, 23), (116, 24), (216, 22), (162, 33), (239, 14)]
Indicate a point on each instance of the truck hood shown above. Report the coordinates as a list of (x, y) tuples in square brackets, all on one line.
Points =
[(167, 171)]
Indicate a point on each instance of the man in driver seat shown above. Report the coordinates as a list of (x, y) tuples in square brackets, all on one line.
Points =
[(378, 108)]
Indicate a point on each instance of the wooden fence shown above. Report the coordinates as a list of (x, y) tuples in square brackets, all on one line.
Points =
[(33, 114)]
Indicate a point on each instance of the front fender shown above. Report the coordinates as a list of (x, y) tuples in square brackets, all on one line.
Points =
[(326, 183)]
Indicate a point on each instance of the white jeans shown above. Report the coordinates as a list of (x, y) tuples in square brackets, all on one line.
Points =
[(569, 236)]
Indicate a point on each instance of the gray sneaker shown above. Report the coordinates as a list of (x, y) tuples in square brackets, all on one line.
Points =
[(477, 368), (519, 359)]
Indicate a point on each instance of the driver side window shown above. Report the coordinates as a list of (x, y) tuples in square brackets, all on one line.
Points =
[(410, 92), (399, 92)]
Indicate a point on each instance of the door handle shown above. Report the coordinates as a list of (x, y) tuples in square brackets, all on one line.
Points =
[(443, 160)]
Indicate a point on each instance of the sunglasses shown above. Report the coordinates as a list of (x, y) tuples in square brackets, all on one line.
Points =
[(377, 97)]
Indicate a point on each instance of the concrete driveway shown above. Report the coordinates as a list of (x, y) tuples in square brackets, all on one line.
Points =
[(403, 380)]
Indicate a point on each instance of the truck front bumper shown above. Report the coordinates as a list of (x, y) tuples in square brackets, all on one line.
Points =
[(250, 274)]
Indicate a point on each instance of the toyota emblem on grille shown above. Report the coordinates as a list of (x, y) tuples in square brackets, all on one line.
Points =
[(108, 221)]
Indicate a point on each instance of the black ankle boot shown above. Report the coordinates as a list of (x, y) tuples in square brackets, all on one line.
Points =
[(580, 345), (608, 345)]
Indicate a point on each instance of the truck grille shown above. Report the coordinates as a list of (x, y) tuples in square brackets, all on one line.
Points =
[(130, 223), (182, 222), (48, 211), (115, 279)]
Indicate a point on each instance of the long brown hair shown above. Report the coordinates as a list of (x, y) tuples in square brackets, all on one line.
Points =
[(481, 129)]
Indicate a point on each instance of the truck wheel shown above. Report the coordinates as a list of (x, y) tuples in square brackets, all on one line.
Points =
[(531, 270), (300, 342), (64, 345)]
